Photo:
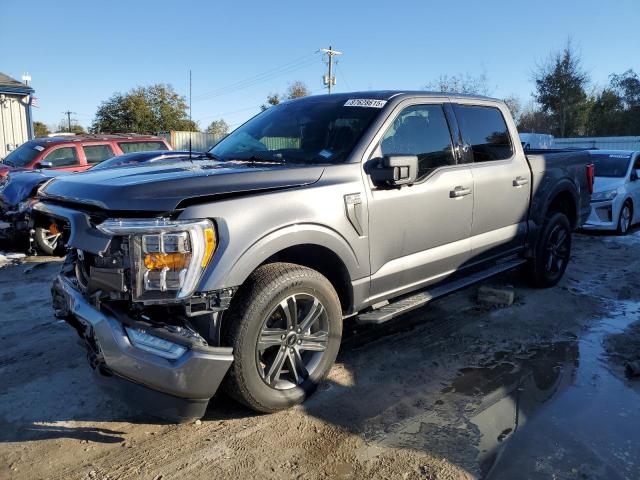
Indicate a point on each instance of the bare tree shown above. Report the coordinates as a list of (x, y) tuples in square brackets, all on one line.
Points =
[(466, 84), (297, 89), (218, 127)]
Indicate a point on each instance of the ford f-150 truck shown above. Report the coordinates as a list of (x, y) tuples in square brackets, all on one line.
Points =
[(238, 267)]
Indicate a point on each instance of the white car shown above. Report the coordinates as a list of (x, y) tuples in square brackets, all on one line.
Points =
[(615, 202)]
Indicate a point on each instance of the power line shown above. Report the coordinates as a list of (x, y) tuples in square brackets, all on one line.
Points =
[(280, 70), (329, 80)]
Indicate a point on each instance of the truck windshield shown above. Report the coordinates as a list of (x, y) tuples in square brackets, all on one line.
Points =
[(23, 155), (313, 130), (611, 165)]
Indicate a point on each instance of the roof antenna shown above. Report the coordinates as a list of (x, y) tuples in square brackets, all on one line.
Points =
[(190, 120)]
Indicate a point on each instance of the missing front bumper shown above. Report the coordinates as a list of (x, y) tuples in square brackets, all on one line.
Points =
[(191, 379)]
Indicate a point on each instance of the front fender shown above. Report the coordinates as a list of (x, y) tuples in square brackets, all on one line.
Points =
[(229, 270)]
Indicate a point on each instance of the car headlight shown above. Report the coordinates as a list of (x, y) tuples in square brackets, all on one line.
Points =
[(167, 256), (604, 196)]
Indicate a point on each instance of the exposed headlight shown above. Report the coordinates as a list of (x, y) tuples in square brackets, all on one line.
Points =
[(604, 196), (4, 181), (167, 256), (156, 345)]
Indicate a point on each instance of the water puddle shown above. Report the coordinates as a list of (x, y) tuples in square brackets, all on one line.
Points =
[(556, 410)]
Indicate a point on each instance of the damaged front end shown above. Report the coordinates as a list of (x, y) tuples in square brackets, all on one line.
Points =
[(129, 287)]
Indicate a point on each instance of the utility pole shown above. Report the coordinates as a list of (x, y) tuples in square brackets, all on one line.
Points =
[(330, 79), (68, 113)]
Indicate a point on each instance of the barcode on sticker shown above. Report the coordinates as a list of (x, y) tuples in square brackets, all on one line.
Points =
[(365, 102)]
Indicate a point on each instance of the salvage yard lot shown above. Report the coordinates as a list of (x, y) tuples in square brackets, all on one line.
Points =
[(456, 390)]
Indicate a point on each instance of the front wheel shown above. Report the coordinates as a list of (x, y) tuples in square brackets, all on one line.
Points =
[(624, 219), (552, 252), (285, 327), (48, 240)]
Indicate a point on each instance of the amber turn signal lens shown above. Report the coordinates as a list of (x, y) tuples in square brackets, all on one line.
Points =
[(172, 261), (209, 245)]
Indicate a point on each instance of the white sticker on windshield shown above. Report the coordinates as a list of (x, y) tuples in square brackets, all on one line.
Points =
[(325, 153), (365, 102), (38, 147)]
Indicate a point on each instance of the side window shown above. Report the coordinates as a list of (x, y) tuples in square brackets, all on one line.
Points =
[(130, 147), (97, 153), (63, 157), (421, 130), (636, 166), (486, 131)]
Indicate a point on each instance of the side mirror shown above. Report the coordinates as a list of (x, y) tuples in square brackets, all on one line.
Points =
[(44, 164), (634, 176), (395, 170)]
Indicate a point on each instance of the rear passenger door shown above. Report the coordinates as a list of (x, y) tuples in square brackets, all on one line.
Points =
[(96, 153), (501, 179)]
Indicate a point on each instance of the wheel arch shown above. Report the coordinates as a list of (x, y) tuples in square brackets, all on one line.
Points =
[(312, 246)]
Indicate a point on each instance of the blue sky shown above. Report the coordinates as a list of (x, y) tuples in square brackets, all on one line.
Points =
[(79, 54)]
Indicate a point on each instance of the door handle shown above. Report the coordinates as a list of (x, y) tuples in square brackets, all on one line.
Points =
[(519, 181), (459, 191)]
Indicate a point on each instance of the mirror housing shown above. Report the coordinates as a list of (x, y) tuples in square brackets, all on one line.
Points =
[(395, 170), (634, 176), (44, 164)]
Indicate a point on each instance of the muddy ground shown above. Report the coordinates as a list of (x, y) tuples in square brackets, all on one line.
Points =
[(456, 390)]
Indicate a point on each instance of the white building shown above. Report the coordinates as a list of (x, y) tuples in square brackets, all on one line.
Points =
[(16, 126)]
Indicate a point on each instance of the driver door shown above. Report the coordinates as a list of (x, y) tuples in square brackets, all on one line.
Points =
[(419, 234)]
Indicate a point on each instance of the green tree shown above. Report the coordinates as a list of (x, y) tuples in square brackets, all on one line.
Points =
[(560, 91), (606, 114), (272, 100), (148, 110), (218, 127), (40, 129), (63, 126)]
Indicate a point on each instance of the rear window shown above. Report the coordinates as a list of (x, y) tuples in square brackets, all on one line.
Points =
[(97, 153), (23, 155), (611, 165), (130, 147), (62, 157), (484, 129)]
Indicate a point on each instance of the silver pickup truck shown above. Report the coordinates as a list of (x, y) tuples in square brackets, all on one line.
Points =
[(238, 267)]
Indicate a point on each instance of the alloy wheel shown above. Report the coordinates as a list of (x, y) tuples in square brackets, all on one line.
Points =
[(558, 249), (625, 219), (292, 341)]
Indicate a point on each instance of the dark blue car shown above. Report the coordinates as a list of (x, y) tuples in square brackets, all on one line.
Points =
[(18, 191)]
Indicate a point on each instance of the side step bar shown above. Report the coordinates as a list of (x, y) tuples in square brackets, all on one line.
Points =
[(420, 299)]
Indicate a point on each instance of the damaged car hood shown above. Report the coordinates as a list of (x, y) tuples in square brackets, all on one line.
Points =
[(20, 185), (161, 188)]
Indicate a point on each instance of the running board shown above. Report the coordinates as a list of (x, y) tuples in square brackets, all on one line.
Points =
[(420, 299)]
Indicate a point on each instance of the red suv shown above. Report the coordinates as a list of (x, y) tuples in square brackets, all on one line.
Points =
[(75, 153)]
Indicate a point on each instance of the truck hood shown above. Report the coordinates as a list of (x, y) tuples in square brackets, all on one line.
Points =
[(604, 184), (21, 184), (162, 187)]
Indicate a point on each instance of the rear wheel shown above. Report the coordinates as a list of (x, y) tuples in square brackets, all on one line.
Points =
[(552, 252), (285, 327), (624, 219), (48, 239)]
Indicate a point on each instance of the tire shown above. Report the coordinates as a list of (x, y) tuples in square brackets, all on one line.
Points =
[(278, 372), (625, 218), (48, 243), (551, 253)]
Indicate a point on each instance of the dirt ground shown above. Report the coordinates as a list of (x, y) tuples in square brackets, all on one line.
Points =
[(456, 390)]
